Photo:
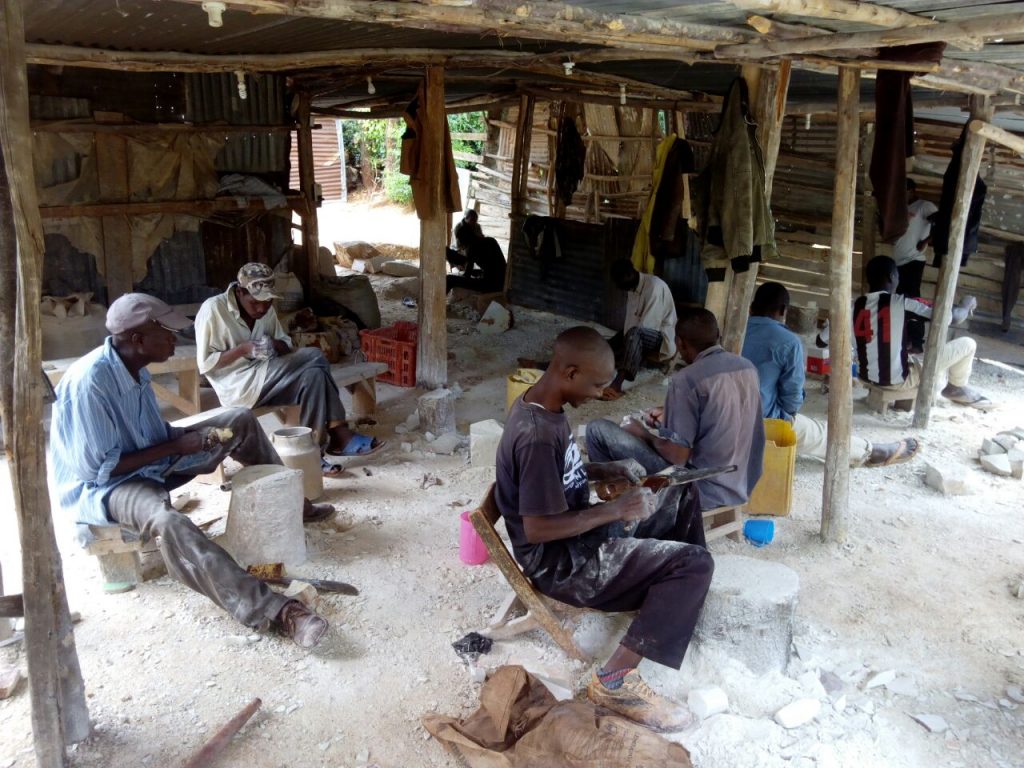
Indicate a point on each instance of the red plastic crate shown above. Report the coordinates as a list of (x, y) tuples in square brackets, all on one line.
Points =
[(396, 346)]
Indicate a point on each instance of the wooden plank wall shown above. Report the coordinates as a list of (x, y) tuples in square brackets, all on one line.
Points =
[(801, 198)]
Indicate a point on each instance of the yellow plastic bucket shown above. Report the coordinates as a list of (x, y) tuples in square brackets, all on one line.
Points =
[(519, 382), (773, 494)]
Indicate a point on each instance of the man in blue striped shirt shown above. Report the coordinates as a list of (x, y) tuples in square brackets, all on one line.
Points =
[(115, 460)]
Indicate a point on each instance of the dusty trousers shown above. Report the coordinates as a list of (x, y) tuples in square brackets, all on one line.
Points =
[(145, 506), (303, 378), (662, 570)]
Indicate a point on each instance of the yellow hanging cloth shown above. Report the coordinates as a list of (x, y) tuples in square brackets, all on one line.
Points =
[(642, 259)]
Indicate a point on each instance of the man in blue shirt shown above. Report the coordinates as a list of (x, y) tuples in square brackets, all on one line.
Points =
[(778, 355), (115, 460)]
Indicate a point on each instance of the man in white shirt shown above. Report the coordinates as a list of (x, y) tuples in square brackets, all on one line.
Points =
[(908, 253), (248, 358), (650, 326)]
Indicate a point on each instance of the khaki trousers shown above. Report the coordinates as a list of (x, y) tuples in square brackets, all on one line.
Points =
[(812, 436)]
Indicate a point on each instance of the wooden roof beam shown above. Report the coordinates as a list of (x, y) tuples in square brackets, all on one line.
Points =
[(1003, 25), (537, 21), (850, 11)]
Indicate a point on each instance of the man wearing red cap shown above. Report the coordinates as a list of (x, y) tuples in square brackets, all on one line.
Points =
[(116, 460)]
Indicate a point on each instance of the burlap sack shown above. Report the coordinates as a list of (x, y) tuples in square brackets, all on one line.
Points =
[(521, 725)]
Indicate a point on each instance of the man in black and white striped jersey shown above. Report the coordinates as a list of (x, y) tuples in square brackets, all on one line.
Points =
[(882, 343)]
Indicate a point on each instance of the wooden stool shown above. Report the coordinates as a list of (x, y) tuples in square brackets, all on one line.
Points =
[(880, 398), (539, 609), (117, 551)]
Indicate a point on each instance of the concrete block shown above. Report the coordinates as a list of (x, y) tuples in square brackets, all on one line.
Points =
[(372, 265), (990, 447), (802, 320), (1006, 442), (446, 444), (705, 702), (950, 481), (484, 437), (497, 319), (436, 411), (749, 612), (1016, 459), (265, 516), (301, 591), (799, 712), (997, 464)]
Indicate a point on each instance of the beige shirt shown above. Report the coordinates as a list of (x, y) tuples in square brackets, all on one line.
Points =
[(651, 305), (220, 327)]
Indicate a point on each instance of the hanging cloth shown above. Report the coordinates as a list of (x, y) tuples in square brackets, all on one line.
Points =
[(735, 218), (944, 216), (894, 136), (570, 160), (659, 225), (413, 161)]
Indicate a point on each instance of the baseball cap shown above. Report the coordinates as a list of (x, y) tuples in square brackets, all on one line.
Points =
[(258, 279), (134, 309)]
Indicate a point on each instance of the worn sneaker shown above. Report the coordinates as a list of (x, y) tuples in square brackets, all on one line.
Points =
[(636, 701), (301, 624)]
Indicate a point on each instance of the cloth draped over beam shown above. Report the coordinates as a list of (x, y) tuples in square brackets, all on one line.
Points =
[(570, 160), (414, 162), (894, 137), (659, 225), (733, 212), (944, 216)]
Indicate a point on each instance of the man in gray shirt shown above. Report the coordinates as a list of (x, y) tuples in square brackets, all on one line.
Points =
[(711, 418)]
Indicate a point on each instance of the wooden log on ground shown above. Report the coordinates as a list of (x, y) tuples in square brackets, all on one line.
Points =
[(432, 346), (942, 310), (56, 691), (836, 492)]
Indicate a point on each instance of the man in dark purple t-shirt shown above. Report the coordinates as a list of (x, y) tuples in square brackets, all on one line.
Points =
[(582, 554)]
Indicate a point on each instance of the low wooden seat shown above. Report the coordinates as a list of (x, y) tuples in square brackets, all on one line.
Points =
[(880, 398), (118, 552), (539, 609)]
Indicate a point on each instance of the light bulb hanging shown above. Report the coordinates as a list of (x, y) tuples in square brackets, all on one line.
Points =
[(622, 94), (370, 87)]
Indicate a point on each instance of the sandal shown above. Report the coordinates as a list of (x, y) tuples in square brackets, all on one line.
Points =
[(972, 399), (905, 450), (358, 446), (331, 471)]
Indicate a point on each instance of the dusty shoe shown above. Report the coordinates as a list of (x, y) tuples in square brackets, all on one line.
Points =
[(635, 701), (301, 624)]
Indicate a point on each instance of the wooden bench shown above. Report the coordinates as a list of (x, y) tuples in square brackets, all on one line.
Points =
[(183, 364), (540, 609), (118, 552), (880, 398)]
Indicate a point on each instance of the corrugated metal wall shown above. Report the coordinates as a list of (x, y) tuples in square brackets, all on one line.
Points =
[(328, 165)]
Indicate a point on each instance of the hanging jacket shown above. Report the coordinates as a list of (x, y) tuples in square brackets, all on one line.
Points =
[(659, 224), (570, 160), (413, 162), (944, 217), (735, 217)]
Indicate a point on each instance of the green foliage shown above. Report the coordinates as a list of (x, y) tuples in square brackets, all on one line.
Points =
[(376, 136)]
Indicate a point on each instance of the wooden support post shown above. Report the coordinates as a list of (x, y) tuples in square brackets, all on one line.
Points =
[(56, 691), (869, 213), (112, 173), (520, 174), (768, 91), (836, 495), (309, 269), (945, 289), (432, 349)]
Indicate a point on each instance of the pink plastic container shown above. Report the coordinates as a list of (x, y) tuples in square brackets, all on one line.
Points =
[(472, 550)]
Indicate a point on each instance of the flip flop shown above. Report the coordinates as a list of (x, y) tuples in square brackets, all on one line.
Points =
[(609, 394), (318, 513), (906, 449), (331, 470), (973, 400), (359, 446)]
